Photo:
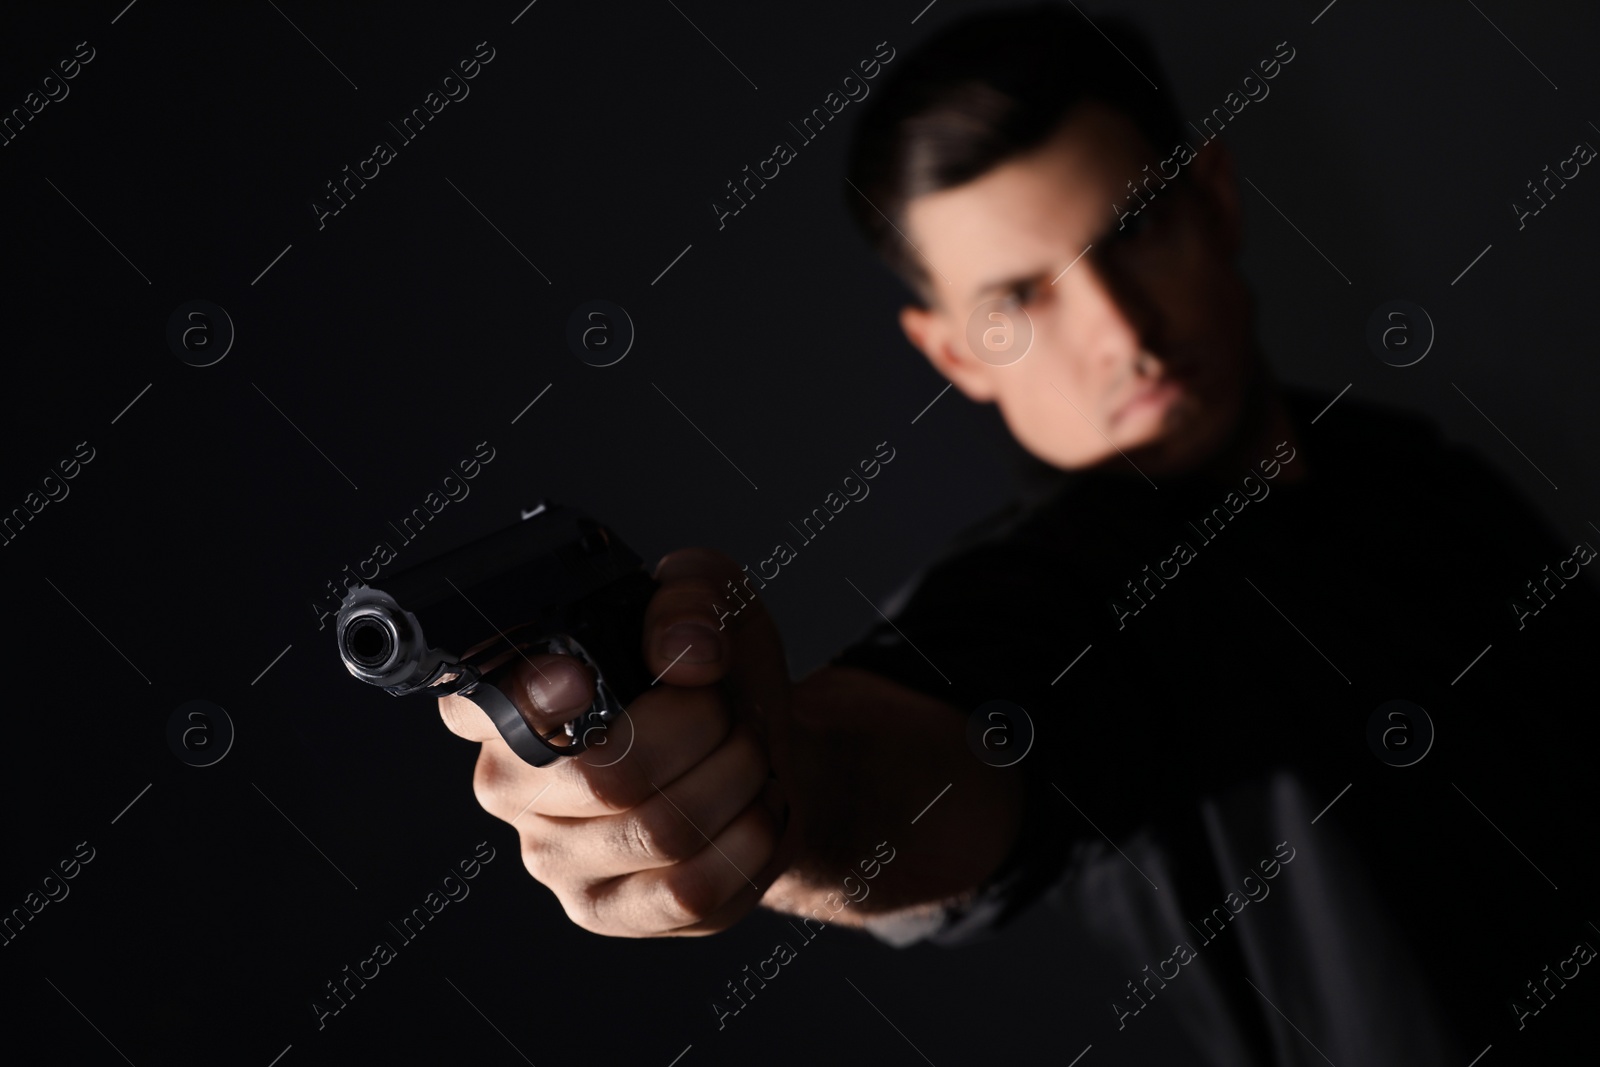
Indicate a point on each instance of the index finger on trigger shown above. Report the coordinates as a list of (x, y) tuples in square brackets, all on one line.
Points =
[(547, 689)]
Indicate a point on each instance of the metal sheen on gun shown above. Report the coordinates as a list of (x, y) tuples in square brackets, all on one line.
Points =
[(556, 582)]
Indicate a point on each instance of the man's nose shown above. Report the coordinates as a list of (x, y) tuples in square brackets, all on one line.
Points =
[(1123, 323)]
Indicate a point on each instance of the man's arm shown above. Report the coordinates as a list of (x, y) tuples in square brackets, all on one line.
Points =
[(876, 763)]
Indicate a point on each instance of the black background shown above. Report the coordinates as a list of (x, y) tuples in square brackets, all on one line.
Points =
[(408, 329)]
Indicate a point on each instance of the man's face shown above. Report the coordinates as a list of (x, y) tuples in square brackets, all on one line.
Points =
[(1142, 346)]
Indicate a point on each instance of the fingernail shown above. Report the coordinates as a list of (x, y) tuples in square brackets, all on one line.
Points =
[(557, 687), (691, 642)]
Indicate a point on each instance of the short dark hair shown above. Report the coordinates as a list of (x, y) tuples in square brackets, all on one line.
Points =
[(982, 90)]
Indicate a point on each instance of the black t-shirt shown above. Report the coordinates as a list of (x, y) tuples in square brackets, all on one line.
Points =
[(1208, 667)]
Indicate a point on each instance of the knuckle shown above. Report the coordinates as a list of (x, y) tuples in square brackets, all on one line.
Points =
[(640, 838), (486, 780), (536, 856), (663, 835), (687, 896), (453, 713), (583, 911), (579, 899)]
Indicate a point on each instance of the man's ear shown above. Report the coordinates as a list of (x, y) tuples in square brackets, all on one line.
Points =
[(931, 331), (1215, 173)]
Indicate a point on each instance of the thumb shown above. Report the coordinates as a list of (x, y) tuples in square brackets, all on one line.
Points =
[(706, 587)]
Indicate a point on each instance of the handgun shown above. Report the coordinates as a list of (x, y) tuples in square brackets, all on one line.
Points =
[(555, 582)]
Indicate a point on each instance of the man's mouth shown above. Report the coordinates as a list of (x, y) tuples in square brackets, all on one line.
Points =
[(1153, 396)]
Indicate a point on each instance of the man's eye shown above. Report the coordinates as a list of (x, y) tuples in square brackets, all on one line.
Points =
[(1023, 294)]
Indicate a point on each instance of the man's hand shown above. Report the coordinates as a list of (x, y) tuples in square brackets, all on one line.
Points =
[(679, 835)]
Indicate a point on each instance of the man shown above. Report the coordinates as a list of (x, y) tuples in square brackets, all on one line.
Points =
[(1215, 595)]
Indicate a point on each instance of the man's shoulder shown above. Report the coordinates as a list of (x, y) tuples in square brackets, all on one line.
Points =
[(1345, 421), (1375, 443)]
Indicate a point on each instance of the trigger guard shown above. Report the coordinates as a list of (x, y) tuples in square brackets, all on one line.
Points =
[(524, 741), (514, 728)]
